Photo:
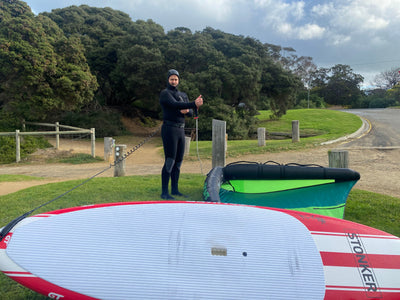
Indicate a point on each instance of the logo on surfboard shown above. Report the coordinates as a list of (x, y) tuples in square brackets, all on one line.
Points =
[(55, 296), (365, 269)]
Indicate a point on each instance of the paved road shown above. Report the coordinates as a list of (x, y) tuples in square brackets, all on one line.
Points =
[(384, 132)]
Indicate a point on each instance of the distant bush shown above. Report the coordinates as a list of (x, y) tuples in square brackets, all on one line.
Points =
[(29, 145), (107, 123), (381, 103), (8, 122), (7, 149)]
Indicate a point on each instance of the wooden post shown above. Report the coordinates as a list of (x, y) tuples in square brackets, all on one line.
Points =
[(338, 159), (261, 136), (218, 143), (108, 148), (17, 146), (57, 135), (187, 145), (119, 169), (93, 138), (295, 131)]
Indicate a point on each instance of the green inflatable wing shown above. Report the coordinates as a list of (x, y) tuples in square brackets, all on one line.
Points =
[(308, 188)]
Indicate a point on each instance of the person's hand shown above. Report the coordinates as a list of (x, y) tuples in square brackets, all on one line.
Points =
[(199, 101), (184, 111)]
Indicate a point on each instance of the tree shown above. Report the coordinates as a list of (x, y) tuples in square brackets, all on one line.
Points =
[(280, 86), (387, 79), (42, 71), (392, 96), (338, 85), (124, 55), (343, 87)]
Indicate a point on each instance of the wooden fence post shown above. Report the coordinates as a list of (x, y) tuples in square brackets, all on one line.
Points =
[(108, 148), (338, 159), (17, 146), (261, 136), (93, 138), (57, 135), (218, 143), (119, 169), (295, 131), (187, 145)]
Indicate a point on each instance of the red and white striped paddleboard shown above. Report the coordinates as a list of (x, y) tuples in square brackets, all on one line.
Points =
[(188, 250)]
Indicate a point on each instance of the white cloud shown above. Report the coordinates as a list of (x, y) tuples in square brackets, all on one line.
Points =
[(310, 31), (323, 9), (279, 11), (306, 32), (362, 16), (338, 21), (220, 10), (338, 39), (289, 19)]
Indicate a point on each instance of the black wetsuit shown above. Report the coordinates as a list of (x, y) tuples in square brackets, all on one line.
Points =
[(173, 136)]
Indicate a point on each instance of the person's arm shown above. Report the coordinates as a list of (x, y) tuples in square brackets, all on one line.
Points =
[(189, 111), (167, 99)]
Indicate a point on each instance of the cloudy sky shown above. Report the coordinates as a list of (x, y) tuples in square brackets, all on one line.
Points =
[(364, 34)]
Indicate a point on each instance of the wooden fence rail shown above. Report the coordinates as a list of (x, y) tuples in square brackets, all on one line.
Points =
[(57, 133)]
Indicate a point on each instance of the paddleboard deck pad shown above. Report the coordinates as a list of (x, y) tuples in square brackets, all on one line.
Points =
[(192, 250)]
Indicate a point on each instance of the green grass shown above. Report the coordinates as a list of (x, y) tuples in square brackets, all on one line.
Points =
[(13, 178), (325, 124), (375, 210), (367, 208), (80, 158)]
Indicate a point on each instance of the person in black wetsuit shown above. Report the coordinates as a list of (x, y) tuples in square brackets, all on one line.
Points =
[(175, 105)]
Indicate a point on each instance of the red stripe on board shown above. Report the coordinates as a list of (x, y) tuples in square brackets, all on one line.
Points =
[(50, 290), (336, 294), (351, 260), (323, 223), (345, 234), (359, 288), (13, 273), (43, 215)]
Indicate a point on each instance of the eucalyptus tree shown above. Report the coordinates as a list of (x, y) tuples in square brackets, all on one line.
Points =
[(387, 79)]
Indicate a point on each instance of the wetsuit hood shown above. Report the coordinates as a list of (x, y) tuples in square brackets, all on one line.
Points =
[(172, 72)]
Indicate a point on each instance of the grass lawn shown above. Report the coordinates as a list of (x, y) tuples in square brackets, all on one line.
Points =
[(324, 124)]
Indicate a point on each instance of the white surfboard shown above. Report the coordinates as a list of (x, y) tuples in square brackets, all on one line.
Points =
[(185, 250)]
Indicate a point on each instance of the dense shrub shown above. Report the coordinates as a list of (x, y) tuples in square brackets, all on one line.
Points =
[(106, 123), (29, 145)]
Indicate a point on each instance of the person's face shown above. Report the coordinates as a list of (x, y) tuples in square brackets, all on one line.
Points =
[(173, 80)]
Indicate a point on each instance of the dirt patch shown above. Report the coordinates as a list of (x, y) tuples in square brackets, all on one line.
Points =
[(12, 187)]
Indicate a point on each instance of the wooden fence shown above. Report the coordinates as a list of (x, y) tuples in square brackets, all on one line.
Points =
[(56, 133)]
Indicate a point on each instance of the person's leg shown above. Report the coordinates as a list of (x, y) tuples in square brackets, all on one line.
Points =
[(178, 162), (170, 145)]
